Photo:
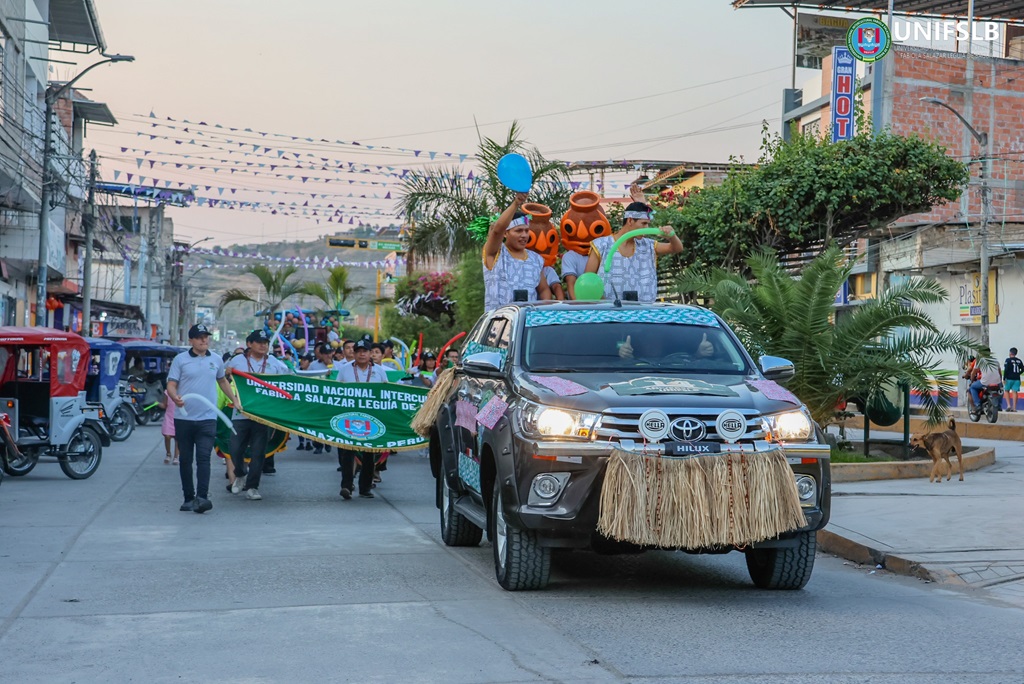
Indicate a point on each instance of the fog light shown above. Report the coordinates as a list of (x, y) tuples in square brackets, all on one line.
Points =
[(806, 488), (546, 488)]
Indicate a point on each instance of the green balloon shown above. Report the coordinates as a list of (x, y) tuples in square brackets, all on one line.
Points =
[(589, 288)]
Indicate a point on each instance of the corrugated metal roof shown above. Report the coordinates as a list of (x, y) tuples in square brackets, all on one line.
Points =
[(76, 21), (996, 10)]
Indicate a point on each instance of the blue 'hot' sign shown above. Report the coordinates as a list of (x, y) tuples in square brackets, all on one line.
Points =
[(844, 76)]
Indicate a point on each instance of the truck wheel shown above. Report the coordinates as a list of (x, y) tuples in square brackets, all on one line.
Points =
[(786, 568), (520, 562), (456, 529), (16, 466), (122, 424), (83, 456)]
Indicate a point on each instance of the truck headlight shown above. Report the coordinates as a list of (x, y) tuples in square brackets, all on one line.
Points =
[(792, 426), (545, 422)]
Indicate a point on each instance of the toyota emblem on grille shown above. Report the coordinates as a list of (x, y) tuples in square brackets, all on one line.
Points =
[(689, 429)]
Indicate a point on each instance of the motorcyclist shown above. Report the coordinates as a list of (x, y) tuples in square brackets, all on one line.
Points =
[(984, 377)]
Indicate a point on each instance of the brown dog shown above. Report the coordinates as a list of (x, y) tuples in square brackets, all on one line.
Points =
[(938, 445)]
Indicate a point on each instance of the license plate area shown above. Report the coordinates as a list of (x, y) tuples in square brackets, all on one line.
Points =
[(692, 448)]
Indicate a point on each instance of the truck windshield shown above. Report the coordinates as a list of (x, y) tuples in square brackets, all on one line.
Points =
[(632, 347)]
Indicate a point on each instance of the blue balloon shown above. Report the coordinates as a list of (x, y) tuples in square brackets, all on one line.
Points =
[(514, 173)]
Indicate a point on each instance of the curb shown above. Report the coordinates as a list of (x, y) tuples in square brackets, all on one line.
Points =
[(841, 546), (965, 428), (900, 470)]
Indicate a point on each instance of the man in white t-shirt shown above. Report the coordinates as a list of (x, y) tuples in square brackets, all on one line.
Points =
[(984, 376), (250, 435), (362, 370)]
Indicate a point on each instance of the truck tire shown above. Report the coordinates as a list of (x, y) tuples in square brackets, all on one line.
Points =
[(785, 568), (456, 529), (520, 562)]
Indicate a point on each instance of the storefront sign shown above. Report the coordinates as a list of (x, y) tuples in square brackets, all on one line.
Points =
[(844, 79), (966, 299)]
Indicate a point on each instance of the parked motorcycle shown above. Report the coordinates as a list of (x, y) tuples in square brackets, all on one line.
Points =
[(991, 403)]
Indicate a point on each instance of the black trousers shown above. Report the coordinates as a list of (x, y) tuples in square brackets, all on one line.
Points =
[(195, 441), (252, 436), (348, 466)]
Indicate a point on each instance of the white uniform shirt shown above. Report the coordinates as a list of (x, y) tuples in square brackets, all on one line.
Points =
[(373, 373), (266, 366)]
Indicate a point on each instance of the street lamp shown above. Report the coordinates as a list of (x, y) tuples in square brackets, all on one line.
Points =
[(51, 97), (986, 208)]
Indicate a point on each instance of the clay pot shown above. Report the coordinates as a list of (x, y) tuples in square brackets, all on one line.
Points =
[(543, 234), (584, 221)]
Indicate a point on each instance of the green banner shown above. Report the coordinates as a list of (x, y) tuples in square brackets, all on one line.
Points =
[(358, 416)]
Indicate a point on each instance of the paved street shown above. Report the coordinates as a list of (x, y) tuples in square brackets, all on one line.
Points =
[(106, 581)]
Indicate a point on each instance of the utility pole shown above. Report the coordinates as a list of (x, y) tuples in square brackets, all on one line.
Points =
[(88, 222), (50, 97), (986, 215), (156, 224)]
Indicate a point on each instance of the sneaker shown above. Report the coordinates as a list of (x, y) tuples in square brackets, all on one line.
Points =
[(188, 506), (253, 494), (238, 485), (346, 494), (202, 505), (270, 471), (365, 495), (318, 450)]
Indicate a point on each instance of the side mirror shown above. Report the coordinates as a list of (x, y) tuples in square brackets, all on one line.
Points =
[(776, 368), (483, 362)]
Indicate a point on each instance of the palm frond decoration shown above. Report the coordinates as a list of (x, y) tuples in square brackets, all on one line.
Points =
[(445, 200)]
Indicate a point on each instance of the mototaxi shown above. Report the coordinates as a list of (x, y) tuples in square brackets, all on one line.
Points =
[(42, 391), (144, 376), (102, 386)]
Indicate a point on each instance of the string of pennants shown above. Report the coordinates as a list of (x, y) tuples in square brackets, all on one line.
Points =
[(197, 127), (321, 266)]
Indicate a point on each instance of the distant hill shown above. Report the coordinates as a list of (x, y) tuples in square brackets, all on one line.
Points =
[(209, 284)]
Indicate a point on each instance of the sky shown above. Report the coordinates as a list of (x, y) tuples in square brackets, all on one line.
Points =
[(412, 74)]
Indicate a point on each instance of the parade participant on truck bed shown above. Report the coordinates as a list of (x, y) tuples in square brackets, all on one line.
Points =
[(511, 271), (634, 266)]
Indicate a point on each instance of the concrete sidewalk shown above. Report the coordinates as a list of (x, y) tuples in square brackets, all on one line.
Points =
[(960, 533)]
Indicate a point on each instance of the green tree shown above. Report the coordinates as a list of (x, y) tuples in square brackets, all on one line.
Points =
[(335, 291), (807, 192), (885, 340), (468, 291), (444, 200), (275, 288)]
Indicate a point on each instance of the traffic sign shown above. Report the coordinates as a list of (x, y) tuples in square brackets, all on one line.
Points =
[(364, 243)]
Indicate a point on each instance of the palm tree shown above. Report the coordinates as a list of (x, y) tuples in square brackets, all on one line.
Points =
[(444, 200), (276, 288), (335, 291), (883, 341)]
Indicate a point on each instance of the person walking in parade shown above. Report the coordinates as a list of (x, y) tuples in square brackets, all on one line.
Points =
[(1012, 369), (362, 370), (250, 435), (198, 372)]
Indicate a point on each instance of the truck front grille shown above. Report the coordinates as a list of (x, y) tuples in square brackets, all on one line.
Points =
[(623, 424)]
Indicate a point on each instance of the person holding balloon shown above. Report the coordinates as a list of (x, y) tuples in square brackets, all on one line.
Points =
[(511, 271), (634, 266)]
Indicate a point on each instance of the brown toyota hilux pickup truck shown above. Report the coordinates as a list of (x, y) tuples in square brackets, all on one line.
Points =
[(546, 391)]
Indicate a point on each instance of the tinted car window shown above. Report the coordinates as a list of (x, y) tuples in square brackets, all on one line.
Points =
[(606, 347)]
